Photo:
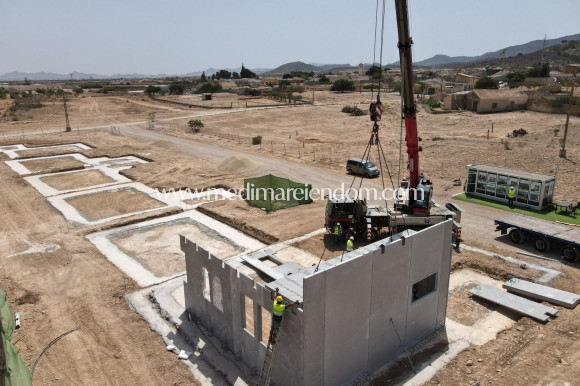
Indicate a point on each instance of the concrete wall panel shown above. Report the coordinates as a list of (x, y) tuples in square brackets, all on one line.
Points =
[(347, 314), (389, 299), (314, 311)]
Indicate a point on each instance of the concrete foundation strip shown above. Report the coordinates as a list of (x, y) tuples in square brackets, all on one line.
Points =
[(542, 292), (514, 303)]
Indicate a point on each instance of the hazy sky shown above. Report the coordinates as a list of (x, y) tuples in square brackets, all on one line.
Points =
[(180, 36)]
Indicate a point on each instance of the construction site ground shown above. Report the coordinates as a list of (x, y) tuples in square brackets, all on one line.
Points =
[(74, 285)]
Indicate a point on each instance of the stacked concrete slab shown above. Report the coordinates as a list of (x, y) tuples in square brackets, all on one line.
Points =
[(355, 312)]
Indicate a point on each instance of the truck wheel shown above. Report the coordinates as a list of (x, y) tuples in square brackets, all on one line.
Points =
[(569, 253), (542, 244), (517, 236)]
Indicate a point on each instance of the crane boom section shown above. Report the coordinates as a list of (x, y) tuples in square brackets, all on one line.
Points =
[(407, 90)]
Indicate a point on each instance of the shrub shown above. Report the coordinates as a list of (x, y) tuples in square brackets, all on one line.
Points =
[(353, 110), (195, 125), (257, 140), (434, 104)]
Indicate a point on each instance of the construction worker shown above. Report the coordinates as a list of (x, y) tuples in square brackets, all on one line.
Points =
[(277, 313), (350, 244), (337, 232), (511, 196)]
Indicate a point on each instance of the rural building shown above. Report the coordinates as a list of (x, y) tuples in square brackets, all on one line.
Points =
[(493, 101), (470, 80), (533, 190), (356, 313)]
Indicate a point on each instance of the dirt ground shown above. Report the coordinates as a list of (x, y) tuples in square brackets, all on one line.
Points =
[(76, 180), (106, 204), (75, 286), (157, 248), (52, 164)]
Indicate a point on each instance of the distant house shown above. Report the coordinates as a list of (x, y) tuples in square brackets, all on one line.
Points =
[(470, 80), (493, 101), (486, 101)]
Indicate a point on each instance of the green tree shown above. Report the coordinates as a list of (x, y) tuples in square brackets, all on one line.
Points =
[(486, 83), (176, 88), (342, 85), (245, 73), (223, 74), (150, 90), (374, 71), (203, 77)]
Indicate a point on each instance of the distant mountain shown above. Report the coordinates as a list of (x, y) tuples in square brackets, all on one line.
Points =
[(524, 49), (294, 66)]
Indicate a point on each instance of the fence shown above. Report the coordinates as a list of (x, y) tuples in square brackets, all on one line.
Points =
[(274, 193)]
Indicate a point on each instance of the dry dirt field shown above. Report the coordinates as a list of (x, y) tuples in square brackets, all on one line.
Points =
[(75, 286)]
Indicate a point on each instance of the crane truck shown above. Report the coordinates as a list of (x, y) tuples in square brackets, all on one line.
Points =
[(414, 208)]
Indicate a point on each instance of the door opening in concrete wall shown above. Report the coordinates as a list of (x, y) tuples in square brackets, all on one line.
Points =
[(424, 287), (248, 314), (205, 284), (266, 324), (218, 297)]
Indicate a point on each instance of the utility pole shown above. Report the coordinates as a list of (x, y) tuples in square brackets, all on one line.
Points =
[(66, 113), (568, 69)]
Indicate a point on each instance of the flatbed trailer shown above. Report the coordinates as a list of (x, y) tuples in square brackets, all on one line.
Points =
[(544, 234)]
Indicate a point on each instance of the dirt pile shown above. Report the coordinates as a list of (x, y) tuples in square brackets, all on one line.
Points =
[(238, 164)]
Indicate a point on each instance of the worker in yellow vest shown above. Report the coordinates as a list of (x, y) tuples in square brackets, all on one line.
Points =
[(350, 244), (337, 232), (277, 313), (511, 196)]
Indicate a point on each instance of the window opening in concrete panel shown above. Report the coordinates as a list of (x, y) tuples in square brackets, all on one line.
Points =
[(205, 284), (248, 314), (424, 287), (217, 298), (266, 324), (269, 261)]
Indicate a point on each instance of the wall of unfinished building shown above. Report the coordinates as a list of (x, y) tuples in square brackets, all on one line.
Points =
[(354, 311), (221, 310)]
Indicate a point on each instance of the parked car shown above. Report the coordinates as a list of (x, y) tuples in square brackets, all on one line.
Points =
[(362, 167)]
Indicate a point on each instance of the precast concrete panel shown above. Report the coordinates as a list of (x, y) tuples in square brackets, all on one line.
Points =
[(390, 277), (314, 312), (425, 261), (444, 274), (347, 316)]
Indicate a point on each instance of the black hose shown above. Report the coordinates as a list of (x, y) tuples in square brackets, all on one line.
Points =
[(47, 347)]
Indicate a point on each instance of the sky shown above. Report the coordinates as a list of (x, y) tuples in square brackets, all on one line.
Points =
[(180, 36)]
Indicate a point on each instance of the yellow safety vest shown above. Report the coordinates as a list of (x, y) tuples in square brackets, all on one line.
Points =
[(511, 193), (349, 245), (337, 229), (278, 308)]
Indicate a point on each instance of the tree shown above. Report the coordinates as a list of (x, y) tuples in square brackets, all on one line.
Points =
[(223, 74), (342, 85), (176, 88), (208, 88), (486, 83), (540, 70), (203, 77), (150, 90), (374, 71), (323, 79), (245, 73)]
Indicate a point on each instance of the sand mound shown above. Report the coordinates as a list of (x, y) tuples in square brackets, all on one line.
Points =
[(238, 164)]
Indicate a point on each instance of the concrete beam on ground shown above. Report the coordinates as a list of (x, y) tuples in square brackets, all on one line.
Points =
[(514, 303), (542, 292)]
